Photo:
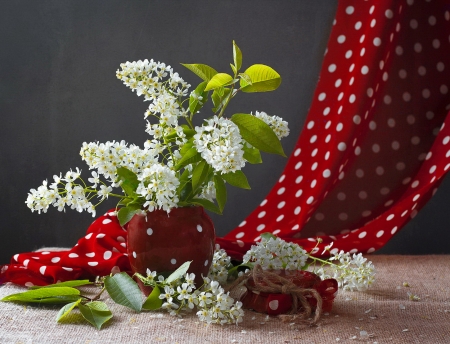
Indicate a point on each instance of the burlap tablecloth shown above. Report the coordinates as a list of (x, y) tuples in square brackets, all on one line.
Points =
[(384, 314)]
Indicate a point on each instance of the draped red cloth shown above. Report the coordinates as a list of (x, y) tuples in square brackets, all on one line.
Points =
[(373, 151)]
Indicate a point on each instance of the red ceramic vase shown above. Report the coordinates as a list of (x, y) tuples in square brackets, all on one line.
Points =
[(162, 242)]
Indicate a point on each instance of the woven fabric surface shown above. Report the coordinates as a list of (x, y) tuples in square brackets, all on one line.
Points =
[(384, 314)]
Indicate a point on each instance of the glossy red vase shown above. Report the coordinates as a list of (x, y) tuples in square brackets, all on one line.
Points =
[(162, 242)]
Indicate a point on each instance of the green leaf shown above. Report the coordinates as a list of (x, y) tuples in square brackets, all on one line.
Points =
[(129, 180), (186, 191), (221, 192), (267, 236), (245, 80), (125, 214), (233, 68), (203, 71), (124, 291), (263, 77), (153, 301), (46, 295), (186, 130), (187, 146), (75, 283), (257, 133), (219, 97), (180, 272), (208, 205), (219, 80), (199, 174), (187, 158), (237, 179), (67, 309), (237, 56), (97, 313), (195, 104), (252, 154)]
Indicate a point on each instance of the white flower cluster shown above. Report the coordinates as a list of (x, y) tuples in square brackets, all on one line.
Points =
[(221, 262), (159, 187), (107, 157), (277, 124), (213, 304), (220, 144), (146, 78), (351, 272), (275, 253), (208, 192), (63, 192)]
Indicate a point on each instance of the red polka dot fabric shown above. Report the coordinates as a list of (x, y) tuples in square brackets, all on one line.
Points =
[(376, 140), (375, 146), (96, 254)]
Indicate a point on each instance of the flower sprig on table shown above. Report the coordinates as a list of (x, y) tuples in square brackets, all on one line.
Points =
[(181, 164)]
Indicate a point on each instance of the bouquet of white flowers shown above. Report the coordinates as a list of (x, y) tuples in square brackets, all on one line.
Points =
[(181, 164)]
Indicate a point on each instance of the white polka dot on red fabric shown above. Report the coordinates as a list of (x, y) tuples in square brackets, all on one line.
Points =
[(107, 255), (240, 235), (90, 254), (260, 227), (173, 261), (25, 262), (42, 270), (73, 255), (341, 39), (199, 228), (16, 257), (362, 235), (106, 221), (92, 263), (55, 259), (100, 235), (88, 236), (67, 269), (120, 239)]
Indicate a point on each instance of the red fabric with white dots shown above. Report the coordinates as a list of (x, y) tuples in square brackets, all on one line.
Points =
[(102, 248), (375, 143), (374, 148)]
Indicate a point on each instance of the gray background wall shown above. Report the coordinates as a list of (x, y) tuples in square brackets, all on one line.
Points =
[(58, 89)]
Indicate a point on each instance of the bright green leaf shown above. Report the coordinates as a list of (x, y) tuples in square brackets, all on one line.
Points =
[(263, 77), (219, 80), (252, 154), (178, 273), (233, 68), (257, 133), (198, 98), (124, 291), (208, 205), (153, 301), (219, 97), (125, 214), (46, 295), (187, 146), (237, 56), (221, 192), (129, 180), (187, 158), (203, 71), (245, 80), (97, 313), (75, 283), (186, 130), (67, 309), (237, 179), (199, 174)]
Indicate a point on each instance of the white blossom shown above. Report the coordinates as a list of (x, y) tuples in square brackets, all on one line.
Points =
[(278, 125)]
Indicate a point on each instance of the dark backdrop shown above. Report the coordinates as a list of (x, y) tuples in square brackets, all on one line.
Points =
[(58, 89)]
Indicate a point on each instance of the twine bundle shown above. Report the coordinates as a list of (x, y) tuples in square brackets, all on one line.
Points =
[(272, 283)]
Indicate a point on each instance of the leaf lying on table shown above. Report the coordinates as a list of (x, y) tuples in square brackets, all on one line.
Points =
[(75, 283), (97, 313), (124, 291), (52, 295)]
